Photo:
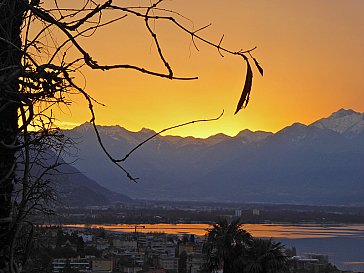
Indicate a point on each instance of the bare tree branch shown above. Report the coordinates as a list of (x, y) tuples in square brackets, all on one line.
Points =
[(41, 51), (165, 130)]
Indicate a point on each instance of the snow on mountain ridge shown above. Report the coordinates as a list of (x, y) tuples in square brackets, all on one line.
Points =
[(342, 113), (343, 122)]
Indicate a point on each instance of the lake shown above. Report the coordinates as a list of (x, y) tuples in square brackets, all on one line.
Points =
[(343, 243)]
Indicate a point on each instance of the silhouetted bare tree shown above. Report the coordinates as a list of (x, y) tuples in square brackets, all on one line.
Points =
[(37, 74)]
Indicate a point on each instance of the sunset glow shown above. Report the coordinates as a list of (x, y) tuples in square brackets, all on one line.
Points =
[(311, 52)]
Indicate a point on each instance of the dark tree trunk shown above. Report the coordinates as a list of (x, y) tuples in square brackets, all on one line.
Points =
[(11, 17)]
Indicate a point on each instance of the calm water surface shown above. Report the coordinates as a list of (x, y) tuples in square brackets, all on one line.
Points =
[(343, 243)]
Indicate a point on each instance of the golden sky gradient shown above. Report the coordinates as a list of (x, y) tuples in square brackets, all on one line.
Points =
[(312, 53)]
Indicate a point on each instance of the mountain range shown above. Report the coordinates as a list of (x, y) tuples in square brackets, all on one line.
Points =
[(321, 163), (70, 186), (77, 190)]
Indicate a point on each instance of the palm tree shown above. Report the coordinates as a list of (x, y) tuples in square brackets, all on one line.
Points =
[(264, 256), (224, 245)]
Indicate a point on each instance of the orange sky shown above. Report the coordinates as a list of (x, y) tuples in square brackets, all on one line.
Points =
[(312, 53)]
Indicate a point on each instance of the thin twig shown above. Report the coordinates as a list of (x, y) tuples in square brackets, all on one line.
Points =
[(167, 129)]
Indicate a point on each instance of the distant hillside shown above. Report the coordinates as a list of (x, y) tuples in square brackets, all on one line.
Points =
[(317, 164), (74, 189)]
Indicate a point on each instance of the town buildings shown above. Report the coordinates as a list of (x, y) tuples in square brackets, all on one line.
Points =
[(96, 251)]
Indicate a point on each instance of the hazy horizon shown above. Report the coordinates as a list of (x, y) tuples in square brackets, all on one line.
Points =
[(70, 126)]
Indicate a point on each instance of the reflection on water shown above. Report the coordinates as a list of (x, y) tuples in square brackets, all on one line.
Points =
[(257, 230), (342, 243), (345, 252)]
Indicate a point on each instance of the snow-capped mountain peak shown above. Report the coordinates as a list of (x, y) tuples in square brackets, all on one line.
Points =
[(343, 112), (343, 122)]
